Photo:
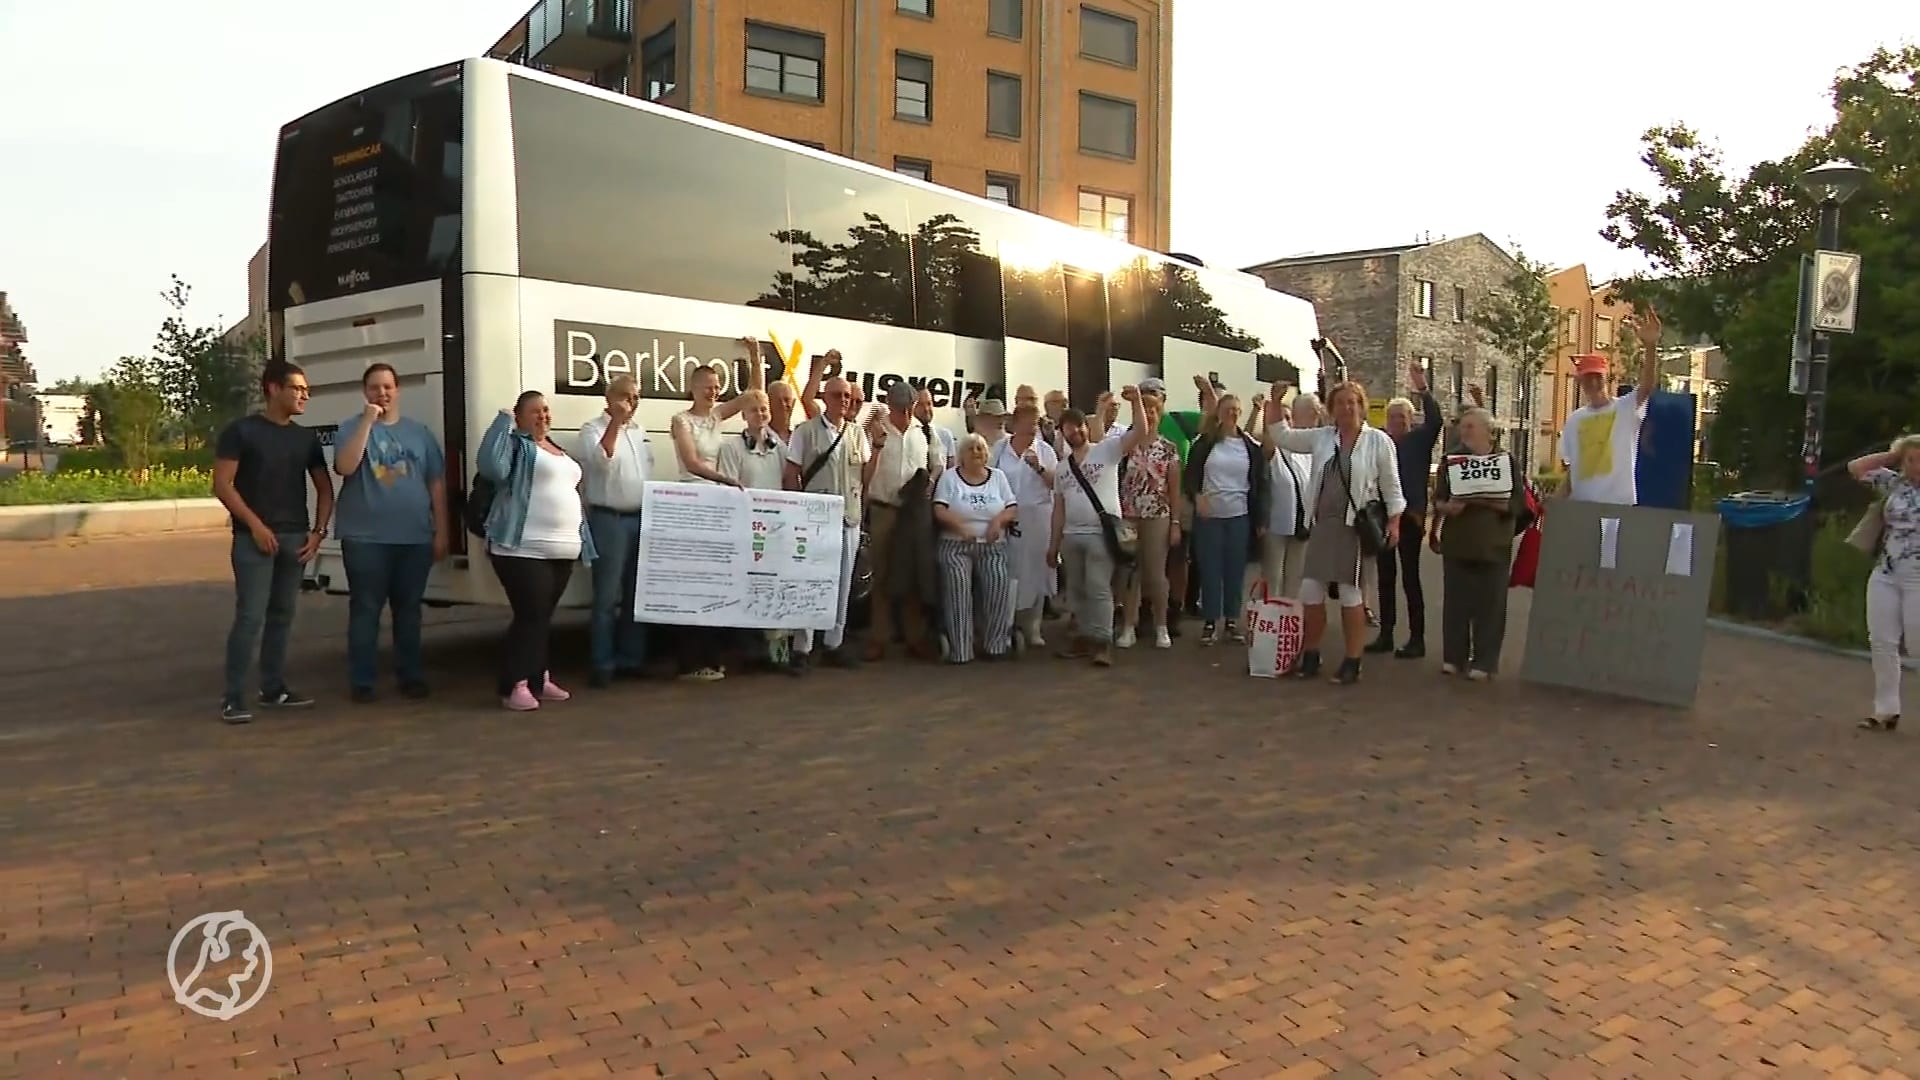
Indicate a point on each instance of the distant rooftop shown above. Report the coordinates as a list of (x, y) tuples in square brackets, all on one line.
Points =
[(1337, 256)]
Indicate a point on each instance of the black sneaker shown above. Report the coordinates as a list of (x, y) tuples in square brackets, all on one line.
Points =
[(234, 712), (600, 680), (362, 695), (1381, 644), (418, 691), (1209, 633), (284, 698), (1412, 650)]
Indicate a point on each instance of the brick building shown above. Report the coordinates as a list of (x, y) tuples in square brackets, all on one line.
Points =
[(1053, 106), (16, 375), (1388, 307)]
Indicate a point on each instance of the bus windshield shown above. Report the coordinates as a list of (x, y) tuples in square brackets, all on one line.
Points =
[(366, 192)]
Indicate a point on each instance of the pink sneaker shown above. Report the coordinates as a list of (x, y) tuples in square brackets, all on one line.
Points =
[(551, 690), (520, 699)]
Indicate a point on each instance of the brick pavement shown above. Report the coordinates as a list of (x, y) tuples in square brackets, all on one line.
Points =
[(1023, 869)]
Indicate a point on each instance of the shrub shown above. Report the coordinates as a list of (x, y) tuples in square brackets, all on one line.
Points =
[(1837, 599), (106, 459), (98, 486)]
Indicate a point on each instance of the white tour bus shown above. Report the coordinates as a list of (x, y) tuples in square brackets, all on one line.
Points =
[(487, 228)]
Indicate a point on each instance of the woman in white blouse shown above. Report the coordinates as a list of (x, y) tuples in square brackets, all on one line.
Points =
[(974, 506), (696, 446), (1356, 472), (1029, 464)]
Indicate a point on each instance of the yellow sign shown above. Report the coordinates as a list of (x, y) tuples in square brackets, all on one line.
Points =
[(790, 357), (1377, 414)]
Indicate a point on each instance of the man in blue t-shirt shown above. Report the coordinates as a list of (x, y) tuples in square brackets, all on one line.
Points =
[(393, 528)]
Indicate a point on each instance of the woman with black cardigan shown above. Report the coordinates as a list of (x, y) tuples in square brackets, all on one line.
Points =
[(1226, 479)]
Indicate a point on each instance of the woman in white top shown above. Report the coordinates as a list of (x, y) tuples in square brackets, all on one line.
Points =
[(536, 531), (696, 446), (1226, 477), (1029, 464), (974, 506), (1283, 551), (1893, 589), (1354, 467)]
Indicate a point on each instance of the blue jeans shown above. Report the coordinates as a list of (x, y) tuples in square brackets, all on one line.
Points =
[(618, 643), (1220, 547), (384, 576), (264, 590)]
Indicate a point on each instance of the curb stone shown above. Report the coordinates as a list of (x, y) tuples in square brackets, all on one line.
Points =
[(1911, 663)]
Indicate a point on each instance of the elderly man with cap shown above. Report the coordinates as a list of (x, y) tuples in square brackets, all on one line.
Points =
[(989, 420), (905, 459)]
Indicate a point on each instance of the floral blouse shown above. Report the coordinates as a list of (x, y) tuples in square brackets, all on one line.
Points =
[(1143, 487), (1900, 543)]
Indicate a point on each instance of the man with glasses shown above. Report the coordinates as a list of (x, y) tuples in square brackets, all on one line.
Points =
[(617, 461), (828, 456), (262, 465)]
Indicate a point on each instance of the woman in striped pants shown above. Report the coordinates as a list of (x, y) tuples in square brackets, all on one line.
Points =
[(974, 505)]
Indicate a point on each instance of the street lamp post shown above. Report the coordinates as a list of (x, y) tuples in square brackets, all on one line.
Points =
[(1832, 183)]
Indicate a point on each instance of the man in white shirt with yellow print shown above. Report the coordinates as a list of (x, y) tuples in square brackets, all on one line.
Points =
[(1600, 445)]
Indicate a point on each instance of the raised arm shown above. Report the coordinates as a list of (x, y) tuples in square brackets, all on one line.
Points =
[(1860, 467), (495, 460), (1646, 327), (1137, 432), (756, 380), (346, 459)]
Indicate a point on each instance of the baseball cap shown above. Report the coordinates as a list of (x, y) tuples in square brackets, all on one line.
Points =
[(1153, 386), (1590, 364), (992, 407)]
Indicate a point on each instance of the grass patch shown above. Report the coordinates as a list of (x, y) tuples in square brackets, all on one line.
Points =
[(100, 486)]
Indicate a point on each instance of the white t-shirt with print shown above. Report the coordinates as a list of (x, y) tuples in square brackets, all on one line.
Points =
[(975, 504), (1600, 447), (1102, 470)]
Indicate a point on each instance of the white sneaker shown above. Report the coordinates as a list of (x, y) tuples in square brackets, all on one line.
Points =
[(1162, 639), (1125, 640), (1449, 669)]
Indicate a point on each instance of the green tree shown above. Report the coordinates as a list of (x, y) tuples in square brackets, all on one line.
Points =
[(206, 380), (132, 409), (1725, 255), (1519, 319)]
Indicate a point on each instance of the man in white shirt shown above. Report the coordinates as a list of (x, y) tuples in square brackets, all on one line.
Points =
[(901, 448), (828, 456), (1601, 442), (614, 454), (923, 412), (756, 457), (1085, 531)]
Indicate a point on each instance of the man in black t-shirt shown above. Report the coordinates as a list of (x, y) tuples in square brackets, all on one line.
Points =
[(262, 464)]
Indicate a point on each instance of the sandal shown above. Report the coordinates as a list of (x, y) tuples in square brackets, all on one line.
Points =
[(1880, 723)]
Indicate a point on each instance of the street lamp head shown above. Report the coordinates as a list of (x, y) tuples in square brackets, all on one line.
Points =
[(1835, 181)]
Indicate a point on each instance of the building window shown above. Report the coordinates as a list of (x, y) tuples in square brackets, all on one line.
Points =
[(915, 7), (1109, 37), (1459, 304), (1107, 125), (912, 87), (1493, 390), (657, 75), (1006, 18), (785, 62), (1111, 215), (1572, 331), (1423, 299), (1004, 190), (612, 77), (1003, 104), (1602, 332), (919, 170), (1459, 380)]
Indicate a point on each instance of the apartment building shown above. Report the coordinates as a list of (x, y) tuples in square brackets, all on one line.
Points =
[(1387, 308), (16, 374), (1594, 320), (1053, 106)]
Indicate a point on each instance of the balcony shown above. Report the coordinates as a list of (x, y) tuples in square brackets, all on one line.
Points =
[(583, 35)]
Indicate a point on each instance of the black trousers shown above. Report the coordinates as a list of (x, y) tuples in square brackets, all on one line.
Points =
[(1400, 565), (533, 588)]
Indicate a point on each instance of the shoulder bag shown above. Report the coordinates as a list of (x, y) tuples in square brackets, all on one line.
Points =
[(1872, 529), (1123, 540), (1301, 530), (1369, 521), (814, 467), (481, 494)]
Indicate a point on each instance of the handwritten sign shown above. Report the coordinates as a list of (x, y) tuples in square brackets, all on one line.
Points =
[(1478, 474), (1620, 603), (749, 559)]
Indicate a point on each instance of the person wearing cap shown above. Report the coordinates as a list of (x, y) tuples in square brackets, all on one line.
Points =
[(905, 463), (989, 420), (1029, 464), (1601, 443)]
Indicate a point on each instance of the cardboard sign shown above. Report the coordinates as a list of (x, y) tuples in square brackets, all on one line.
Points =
[(1620, 601), (1478, 474)]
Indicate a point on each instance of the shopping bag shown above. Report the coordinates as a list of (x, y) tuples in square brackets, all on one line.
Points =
[(1256, 595), (1526, 561), (1274, 629)]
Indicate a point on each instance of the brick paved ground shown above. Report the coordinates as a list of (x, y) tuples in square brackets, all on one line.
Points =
[(911, 872)]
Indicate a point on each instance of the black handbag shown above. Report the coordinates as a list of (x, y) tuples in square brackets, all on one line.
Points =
[(1369, 521)]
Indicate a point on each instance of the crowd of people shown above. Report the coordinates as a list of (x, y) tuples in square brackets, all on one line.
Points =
[(957, 546)]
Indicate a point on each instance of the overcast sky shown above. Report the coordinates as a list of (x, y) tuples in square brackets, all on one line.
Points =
[(136, 138)]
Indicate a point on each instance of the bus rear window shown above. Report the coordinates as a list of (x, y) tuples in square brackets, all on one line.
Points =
[(366, 193)]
